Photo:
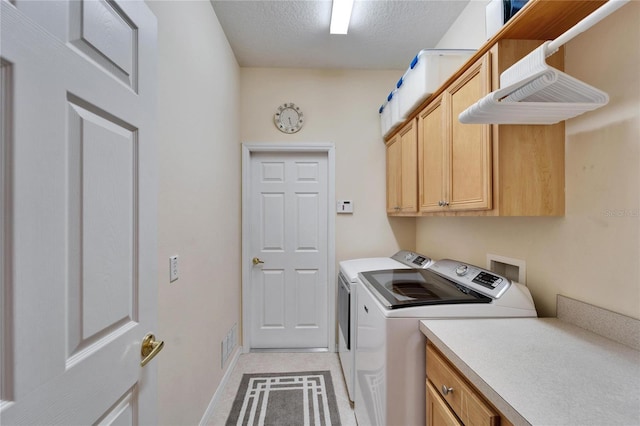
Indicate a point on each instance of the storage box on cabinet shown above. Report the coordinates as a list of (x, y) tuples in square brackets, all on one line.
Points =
[(402, 172), (390, 117), (427, 72)]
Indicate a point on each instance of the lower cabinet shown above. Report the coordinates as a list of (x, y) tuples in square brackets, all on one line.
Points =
[(451, 399), (438, 412)]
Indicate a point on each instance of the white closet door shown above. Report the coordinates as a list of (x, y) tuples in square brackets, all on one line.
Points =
[(289, 226)]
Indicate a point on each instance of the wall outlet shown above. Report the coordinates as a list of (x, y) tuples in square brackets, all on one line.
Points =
[(173, 268)]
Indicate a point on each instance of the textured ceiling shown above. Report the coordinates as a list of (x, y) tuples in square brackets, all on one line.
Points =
[(383, 34)]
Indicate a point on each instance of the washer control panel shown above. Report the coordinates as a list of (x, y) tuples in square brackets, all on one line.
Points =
[(414, 260), (481, 280)]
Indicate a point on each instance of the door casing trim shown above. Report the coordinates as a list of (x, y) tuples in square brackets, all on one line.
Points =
[(299, 147)]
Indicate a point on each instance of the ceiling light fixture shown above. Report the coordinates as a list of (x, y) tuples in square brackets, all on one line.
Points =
[(340, 16)]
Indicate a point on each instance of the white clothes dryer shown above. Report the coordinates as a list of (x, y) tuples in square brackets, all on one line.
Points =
[(347, 297)]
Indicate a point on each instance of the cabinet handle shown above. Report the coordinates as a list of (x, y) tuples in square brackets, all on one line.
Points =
[(446, 203), (446, 390), (441, 203)]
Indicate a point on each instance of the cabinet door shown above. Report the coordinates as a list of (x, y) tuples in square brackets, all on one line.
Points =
[(409, 179), (458, 396), (402, 171), (438, 412), (432, 156), (394, 175), (469, 173)]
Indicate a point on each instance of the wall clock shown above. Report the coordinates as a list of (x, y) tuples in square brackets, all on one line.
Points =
[(288, 118)]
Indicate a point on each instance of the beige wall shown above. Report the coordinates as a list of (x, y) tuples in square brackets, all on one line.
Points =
[(339, 107), (199, 205), (593, 253), (468, 30)]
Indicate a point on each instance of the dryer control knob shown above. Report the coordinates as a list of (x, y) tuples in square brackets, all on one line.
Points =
[(408, 256), (462, 270)]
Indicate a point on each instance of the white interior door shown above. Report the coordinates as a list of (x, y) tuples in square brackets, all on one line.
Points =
[(289, 291), (79, 184)]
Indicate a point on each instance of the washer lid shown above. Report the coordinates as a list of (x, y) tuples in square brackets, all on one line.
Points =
[(416, 287), (351, 268)]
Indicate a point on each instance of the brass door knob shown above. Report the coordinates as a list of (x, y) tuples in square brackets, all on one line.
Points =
[(150, 348), (256, 261)]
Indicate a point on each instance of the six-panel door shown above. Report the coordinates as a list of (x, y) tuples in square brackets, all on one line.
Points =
[(289, 233), (79, 274)]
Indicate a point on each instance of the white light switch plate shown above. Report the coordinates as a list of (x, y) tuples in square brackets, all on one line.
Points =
[(173, 268)]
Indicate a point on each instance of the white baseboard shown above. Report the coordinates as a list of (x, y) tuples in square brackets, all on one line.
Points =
[(214, 400)]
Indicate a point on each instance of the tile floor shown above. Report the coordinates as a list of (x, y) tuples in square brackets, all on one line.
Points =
[(268, 362)]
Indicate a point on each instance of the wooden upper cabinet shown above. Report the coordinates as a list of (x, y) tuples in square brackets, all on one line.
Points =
[(394, 175), (525, 172), (469, 174), (483, 169), (432, 156), (409, 140), (402, 172), (454, 160)]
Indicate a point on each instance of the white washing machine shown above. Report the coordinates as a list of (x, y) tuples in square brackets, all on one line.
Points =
[(390, 349), (347, 296)]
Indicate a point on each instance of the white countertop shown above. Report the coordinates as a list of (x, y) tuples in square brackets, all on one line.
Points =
[(543, 371)]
